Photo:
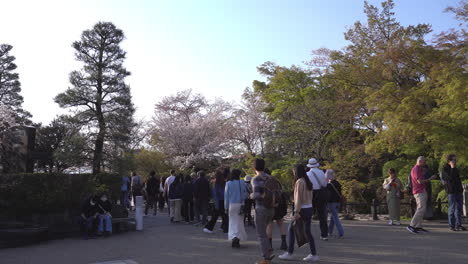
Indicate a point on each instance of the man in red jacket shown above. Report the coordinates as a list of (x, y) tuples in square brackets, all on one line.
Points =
[(418, 182)]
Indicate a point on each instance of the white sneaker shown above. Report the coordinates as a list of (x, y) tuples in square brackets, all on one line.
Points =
[(397, 223), (311, 258), (286, 256), (391, 222), (323, 238), (206, 230)]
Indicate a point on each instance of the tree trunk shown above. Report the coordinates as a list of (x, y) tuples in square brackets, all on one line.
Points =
[(98, 148), (99, 143)]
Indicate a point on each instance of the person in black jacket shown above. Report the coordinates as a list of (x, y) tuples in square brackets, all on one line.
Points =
[(175, 199), (152, 192), (201, 197), (334, 203), (104, 209), (89, 213), (187, 199), (451, 179)]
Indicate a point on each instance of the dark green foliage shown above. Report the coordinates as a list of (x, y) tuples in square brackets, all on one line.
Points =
[(25, 195)]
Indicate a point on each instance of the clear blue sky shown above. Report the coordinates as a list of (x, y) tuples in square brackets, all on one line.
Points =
[(211, 46)]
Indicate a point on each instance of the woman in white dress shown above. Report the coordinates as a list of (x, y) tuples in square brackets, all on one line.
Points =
[(234, 196)]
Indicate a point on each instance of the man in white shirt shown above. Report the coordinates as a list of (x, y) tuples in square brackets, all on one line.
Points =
[(319, 200), (167, 185)]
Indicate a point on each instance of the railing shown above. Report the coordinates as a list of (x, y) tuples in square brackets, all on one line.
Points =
[(376, 208)]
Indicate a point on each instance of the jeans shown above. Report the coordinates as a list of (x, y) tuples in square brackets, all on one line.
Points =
[(306, 215), (319, 202), (217, 213), (334, 208), (421, 202), (201, 208), (455, 201), (108, 220), (263, 217)]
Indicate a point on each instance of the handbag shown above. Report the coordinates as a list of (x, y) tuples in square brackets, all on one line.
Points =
[(299, 232)]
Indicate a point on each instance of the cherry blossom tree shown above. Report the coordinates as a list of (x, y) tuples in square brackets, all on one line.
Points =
[(192, 130)]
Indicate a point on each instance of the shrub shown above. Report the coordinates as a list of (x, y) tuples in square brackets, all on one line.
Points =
[(25, 195)]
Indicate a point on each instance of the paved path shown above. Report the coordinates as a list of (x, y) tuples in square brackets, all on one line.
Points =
[(162, 242)]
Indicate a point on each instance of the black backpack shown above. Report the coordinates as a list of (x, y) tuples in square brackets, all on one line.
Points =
[(409, 186)]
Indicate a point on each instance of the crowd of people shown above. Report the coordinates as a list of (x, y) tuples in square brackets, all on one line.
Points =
[(315, 191), (234, 199)]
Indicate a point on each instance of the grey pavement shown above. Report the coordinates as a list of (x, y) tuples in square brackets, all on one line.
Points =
[(162, 242)]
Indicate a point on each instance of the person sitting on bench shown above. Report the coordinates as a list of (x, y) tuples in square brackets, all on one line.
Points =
[(89, 214), (105, 217)]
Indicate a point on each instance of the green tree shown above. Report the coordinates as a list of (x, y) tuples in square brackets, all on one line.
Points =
[(99, 96), (62, 146), (10, 87)]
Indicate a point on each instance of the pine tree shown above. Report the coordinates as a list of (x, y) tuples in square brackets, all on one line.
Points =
[(99, 97)]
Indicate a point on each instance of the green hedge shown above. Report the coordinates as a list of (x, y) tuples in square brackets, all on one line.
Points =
[(23, 195)]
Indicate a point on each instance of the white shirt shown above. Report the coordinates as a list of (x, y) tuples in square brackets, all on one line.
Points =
[(168, 183), (317, 185)]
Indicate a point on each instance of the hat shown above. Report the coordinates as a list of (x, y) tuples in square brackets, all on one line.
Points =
[(248, 178), (313, 163)]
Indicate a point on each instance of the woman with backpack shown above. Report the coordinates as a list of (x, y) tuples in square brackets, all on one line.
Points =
[(234, 196), (280, 212), (394, 189), (302, 209), (334, 203)]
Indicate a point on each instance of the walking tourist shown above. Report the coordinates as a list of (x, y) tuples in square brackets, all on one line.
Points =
[(167, 185), (175, 199), (453, 186), (218, 199), (303, 194), (201, 198), (187, 200), (319, 183), (137, 186), (234, 197), (418, 183), (125, 188), (280, 212), (394, 189), (264, 210), (152, 193), (334, 203), (249, 202)]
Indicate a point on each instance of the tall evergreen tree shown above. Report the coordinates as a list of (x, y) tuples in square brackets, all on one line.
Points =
[(99, 97), (10, 87)]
